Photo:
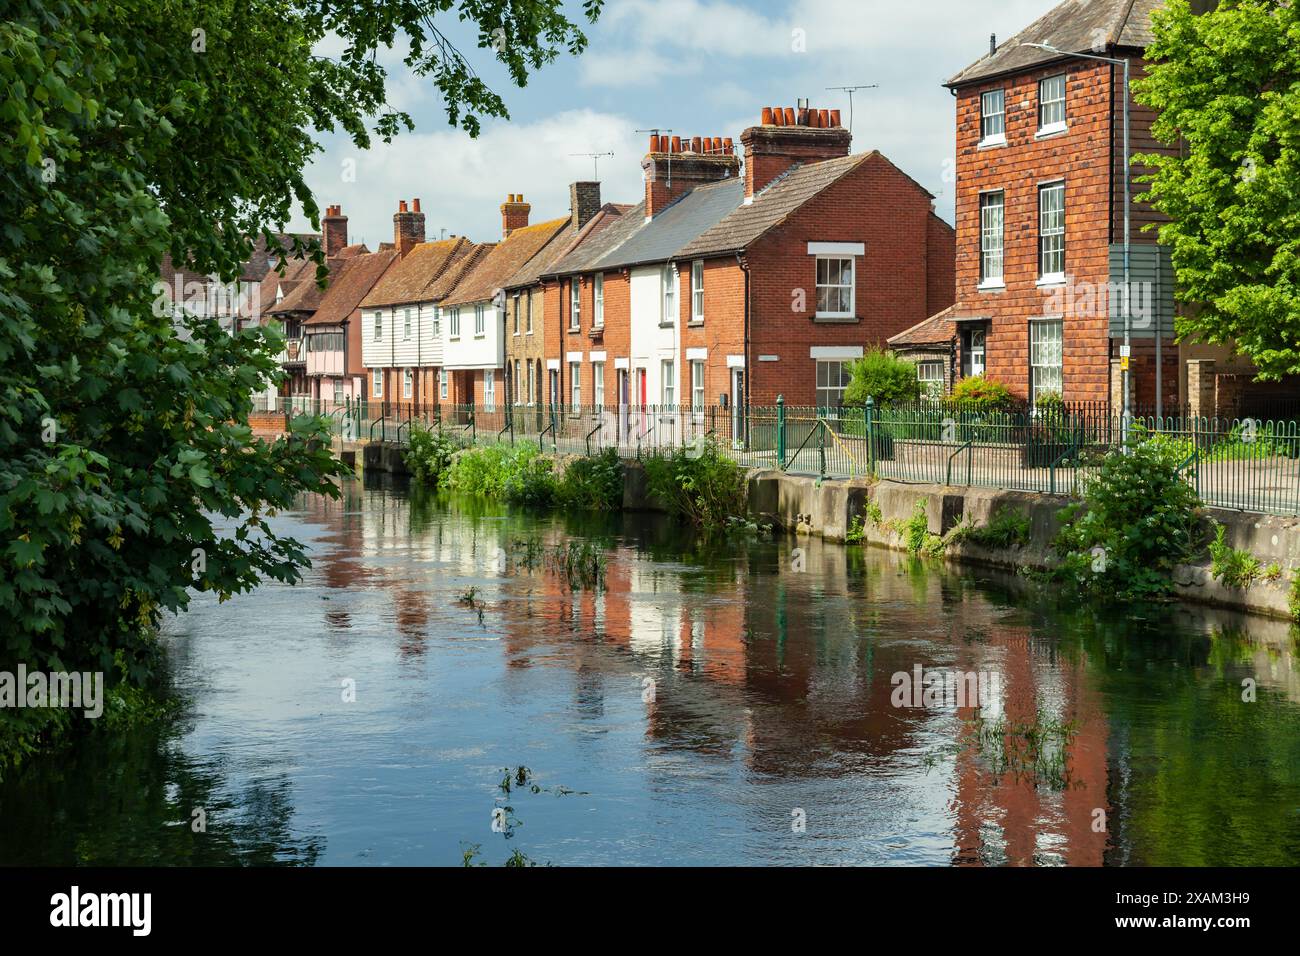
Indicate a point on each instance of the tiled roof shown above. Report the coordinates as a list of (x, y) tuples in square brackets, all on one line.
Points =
[(565, 243), (459, 271), (410, 279), (1075, 26), (678, 225), (509, 256), (296, 271), (938, 329), (599, 242), (350, 284), (772, 205), (307, 296)]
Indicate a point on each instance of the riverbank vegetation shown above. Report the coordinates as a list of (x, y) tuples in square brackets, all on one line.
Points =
[(700, 486)]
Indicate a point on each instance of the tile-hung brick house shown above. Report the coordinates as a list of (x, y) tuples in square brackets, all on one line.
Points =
[(723, 289), (932, 346), (1040, 213), (530, 326), (474, 313), (401, 334)]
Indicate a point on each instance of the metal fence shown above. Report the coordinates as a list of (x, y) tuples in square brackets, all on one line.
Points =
[(1246, 464)]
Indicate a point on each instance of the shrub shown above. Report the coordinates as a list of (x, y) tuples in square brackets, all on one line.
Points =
[(1136, 522), (884, 377), (518, 474), (430, 453), (982, 394), (1007, 528), (1236, 568), (593, 484), (707, 490)]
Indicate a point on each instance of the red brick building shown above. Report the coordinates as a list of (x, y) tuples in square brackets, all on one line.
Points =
[(723, 288)]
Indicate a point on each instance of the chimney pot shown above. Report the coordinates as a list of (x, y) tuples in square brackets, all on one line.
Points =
[(789, 116), (993, 43), (654, 143), (778, 117), (417, 203), (835, 119), (767, 116), (803, 117), (677, 144), (727, 145), (695, 144)]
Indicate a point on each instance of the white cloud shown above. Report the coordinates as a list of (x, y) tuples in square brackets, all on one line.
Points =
[(461, 181)]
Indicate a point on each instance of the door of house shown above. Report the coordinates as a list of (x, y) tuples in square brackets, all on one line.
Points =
[(622, 403)]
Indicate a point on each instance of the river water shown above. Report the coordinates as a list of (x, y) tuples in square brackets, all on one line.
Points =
[(728, 702)]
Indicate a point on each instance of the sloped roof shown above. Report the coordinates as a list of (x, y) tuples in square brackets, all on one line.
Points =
[(296, 271), (1075, 26), (410, 279), (772, 205), (307, 296), (459, 271), (564, 243), (509, 256), (938, 329), (664, 236), (600, 241), (356, 277)]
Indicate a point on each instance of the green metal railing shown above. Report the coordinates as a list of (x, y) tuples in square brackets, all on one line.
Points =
[(1235, 463)]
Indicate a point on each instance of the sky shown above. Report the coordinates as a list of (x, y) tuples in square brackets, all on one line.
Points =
[(697, 67)]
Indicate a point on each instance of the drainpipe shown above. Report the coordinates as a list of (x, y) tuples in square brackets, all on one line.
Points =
[(744, 267)]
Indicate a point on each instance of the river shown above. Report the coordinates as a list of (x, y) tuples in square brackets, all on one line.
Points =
[(717, 702)]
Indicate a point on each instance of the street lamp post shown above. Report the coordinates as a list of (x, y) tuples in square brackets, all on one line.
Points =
[(1128, 212)]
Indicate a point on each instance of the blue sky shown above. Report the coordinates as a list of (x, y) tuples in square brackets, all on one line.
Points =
[(698, 67)]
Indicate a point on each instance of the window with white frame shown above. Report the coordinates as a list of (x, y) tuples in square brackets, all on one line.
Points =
[(408, 383), (697, 290), (992, 226), (442, 384), (833, 377), (377, 383), (338, 391), (835, 287), (519, 384), (489, 390), (1051, 232), (975, 354), (575, 387), (529, 316), (930, 375), (993, 118), (379, 326), (668, 382), (1045, 358), (406, 325), (668, 283), (575, 303), (697, 390), (598, 301), (453, 323), (480, 319), (529, 393), (1051, 104), (598, 384), (437, 320), (514, 304)]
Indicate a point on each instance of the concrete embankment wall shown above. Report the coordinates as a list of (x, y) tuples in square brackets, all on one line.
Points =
[(802, 505)]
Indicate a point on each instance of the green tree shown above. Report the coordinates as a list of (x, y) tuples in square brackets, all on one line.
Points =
[(132, 128), (1227, 87), (884, 377)]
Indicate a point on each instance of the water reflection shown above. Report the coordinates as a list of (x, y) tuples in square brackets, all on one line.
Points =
[(706, 702)]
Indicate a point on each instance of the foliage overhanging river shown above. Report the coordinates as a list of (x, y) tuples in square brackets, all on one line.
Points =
[(726, 703)]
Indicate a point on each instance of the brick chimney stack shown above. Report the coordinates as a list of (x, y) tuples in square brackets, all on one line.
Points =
[(514, 214), (787, 136), (408, 227), (334, 230), (584, 202), (674, 166)]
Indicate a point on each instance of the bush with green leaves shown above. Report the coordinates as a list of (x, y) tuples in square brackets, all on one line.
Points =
[(882, 376), (592, 483), (704, 487), (430, 453), (1234, 567), (1138, 519), (977, 393), (517, 474)]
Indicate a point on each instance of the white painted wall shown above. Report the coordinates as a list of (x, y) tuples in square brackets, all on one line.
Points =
[(471, 351)]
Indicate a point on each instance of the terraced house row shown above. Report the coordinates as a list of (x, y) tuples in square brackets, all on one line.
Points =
[(724, 285)]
